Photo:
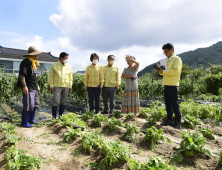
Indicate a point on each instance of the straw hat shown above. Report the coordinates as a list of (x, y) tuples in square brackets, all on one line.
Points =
[(33, 51)]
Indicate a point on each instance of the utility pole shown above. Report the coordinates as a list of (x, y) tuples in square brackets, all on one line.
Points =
[(217, 59)]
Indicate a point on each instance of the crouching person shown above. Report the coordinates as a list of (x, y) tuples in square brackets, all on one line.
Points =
[(60, 82), (28, 81)]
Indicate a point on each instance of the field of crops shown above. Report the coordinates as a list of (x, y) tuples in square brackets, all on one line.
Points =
[(125, 142), (100, 142), (195, 84)]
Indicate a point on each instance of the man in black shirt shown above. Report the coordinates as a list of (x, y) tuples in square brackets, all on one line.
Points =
[(28, 81)]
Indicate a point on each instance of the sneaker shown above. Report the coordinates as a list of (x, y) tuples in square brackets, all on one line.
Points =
[(110, 114), (177, 125), (105, 112), (167, 122)]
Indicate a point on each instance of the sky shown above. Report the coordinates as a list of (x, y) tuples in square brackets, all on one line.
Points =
[(118, 27)]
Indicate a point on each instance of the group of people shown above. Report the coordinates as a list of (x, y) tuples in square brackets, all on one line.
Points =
[(106, 78)]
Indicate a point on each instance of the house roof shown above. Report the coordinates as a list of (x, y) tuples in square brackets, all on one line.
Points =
[(18, 54)]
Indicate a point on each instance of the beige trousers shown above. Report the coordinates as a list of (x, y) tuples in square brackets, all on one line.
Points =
[(60, 96)]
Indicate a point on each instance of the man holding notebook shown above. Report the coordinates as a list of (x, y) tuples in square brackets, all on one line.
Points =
[(171, 78)]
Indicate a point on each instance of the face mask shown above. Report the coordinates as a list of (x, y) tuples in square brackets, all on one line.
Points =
[(111, 62), (95, 61), (65, 61)]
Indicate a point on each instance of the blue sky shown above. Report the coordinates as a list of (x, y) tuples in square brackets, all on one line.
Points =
[(29, 17), (119, 27)]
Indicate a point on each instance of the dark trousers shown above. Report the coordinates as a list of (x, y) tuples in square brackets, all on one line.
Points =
[(109, 93), (93, 93), (171, 102)]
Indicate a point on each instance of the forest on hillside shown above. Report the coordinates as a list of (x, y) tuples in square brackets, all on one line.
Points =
[(199, 58)]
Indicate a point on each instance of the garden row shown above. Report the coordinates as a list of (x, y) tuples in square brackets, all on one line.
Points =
[(191, 144), (119, 150), (16, 158)]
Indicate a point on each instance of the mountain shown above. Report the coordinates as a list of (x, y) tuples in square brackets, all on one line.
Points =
[(200, 57)]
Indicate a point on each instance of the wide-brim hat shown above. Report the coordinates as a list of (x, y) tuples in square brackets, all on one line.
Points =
[(33, 51)]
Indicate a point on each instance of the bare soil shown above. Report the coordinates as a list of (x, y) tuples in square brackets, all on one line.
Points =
[(47, 142)]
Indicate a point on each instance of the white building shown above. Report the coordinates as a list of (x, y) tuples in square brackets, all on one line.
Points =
[(11, 58)]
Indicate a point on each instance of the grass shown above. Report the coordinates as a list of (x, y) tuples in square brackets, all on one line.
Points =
[(78, 153), (60, 143), (44, 134)]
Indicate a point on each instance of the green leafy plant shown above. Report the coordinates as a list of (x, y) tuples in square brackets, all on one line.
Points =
[(117, 114), (190, 107), (193, 143), (72, 134), (88, 115), (207, 111), (113, 122), (69, 119), (79, 123), (151, 120), (208, 133), (144, 112), (77, 83), (157, 163), (93, 165), (54, 121), (92, 140), (220, 160), (12, 152), (10, 93), (137, 165), (113, 151), (8, 128), (191, 121), (153, 135), (130, 116), (177, 157), (11, 139), (98, 119), (156, 104), (65, 119), (153, 163), (132, 131), (18, 160), (24, 161), (156, 114)]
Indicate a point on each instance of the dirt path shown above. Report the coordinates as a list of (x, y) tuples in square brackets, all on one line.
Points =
[(42, 142)]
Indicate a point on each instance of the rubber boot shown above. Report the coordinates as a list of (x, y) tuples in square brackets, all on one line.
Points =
[(25, 118), (54, 109), (61, 109), (32, 117)]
